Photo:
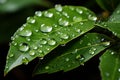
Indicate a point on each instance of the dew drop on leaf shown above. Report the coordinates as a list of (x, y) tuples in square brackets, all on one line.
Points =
[(51, 42), (92, 50), (23, 47), (46, 67), (32, 52), (93, 18), (38, 13), (43, 41), (25, 60), (30, 20), (119, 70), (48, 14), (63, 22), (106, 43), (64, 36), (67, 59), (77, 19), (25, 33), (45, 28), (11, 55), (58, 7), (79, 11)]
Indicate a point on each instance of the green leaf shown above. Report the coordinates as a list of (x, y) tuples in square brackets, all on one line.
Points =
[(14, 5), (47, 30), (109, 5), (75, 54), (110, 64), (113, 23)]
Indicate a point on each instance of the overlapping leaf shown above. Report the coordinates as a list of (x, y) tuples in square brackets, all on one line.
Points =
[(75, 54), (110, 64), (45, 31)]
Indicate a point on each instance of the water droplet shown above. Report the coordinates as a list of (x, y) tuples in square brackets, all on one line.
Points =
[(48, 14), (78, 57), (3, 1), (71, 8), (51, 42), (32, 52), (25, 60), (92, 50), (67, 59), (36, 30), (79, 11), (46, 67), (43, 41), (89, 44), (112, 53), (23, 47), (90, 17), (11, 55), (28, 39), (119, 70), (45, 28), (78, 30), (65, 14), (64, 36), (14, 43), (77, 19), (106, 43), (12, 38), (38, 13), (58, 7), (30, 20), (25, 33), (63, 22), (103, 39)]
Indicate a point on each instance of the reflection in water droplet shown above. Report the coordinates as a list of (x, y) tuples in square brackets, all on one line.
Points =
[(25, 60), (51, 42), (45, 28), (30, 20), (25, 33), (48, 14), (64, 36), (32, 52), (23, 47), (63, 22), (38, 13), (46, 67), (58, 7), (79, 11)]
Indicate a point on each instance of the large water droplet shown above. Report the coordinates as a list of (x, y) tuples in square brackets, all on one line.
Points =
[(30, 20), (58, 7), (79, 11), (106, 43), (25, 60), (48, 14), (23, 47), (25, 33), (63, 22), (45, 28), (43, 41), (38, 13), (32, 52), (64, 36), (46, 67), (51, 42), (77, 19)]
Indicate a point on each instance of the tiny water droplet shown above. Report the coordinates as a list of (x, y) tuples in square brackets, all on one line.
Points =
[(48, 14), (46, 67), (78, 57), (106, 43), (63, 22), (90, 17), (64, 36), (32, 52), (30, 20), (14, 43), (75, 51), (65, 14), (28, 39), (92, 50), (36, 30), (11, 55), (45, 28), (67, 59), (38, 13), (112, 53), (58, 7), (23, 47), (79, 11), (25, 33), (77, 19), (25, 60), (51, 42), (119, 70), (43, 41)]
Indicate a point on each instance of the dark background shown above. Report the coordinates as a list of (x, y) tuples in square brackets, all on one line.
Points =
[(10, 22)]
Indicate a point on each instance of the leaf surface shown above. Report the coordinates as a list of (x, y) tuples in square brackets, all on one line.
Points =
[(75, 54), (47, 30)]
